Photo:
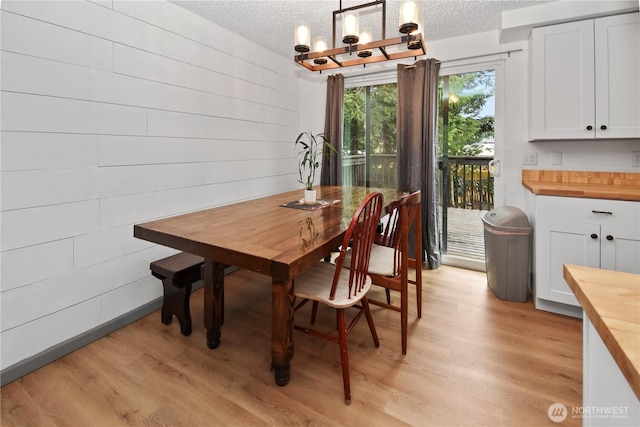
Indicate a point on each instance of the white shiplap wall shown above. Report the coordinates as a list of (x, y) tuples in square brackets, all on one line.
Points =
[(115, 113)]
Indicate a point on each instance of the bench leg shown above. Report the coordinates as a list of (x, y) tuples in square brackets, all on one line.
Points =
[(176, 302)]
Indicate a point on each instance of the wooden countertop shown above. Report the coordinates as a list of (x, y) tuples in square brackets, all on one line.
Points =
[(592, 185), (611, 301)]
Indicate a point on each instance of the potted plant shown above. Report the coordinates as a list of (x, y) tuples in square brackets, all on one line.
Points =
[(309, 156)]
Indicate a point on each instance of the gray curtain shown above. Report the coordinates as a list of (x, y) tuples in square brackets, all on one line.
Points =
[(416, 138), (331, 173)]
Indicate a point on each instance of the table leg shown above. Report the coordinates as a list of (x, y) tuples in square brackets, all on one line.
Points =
[(282, 304), (213, 279)]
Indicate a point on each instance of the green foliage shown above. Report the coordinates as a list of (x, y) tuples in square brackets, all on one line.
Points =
[(468, 94), (383, 103), (354, 120), (467, 129), (311, 149)]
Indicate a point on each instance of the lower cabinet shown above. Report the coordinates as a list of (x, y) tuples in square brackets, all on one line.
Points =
[(591, 232)]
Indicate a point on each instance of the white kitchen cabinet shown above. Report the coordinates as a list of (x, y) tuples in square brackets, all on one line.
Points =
[(584, 79), (590, 232)]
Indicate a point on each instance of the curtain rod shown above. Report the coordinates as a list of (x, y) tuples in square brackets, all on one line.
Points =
[(508, 52)]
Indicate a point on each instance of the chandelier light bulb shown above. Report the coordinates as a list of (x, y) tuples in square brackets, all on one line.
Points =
[(366, 36), (408, 17), (320, 45), (302, 36), (350, 28)]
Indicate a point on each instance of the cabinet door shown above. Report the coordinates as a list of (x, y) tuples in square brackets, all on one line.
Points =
[(617, 67), (562, 82), (620, 249), (558, 243)]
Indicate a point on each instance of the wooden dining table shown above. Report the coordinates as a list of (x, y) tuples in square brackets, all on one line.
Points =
[(269, 237)]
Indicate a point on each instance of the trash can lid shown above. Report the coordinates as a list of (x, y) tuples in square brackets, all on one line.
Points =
[(506, 218)]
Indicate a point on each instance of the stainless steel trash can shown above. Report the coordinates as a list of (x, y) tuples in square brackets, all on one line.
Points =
[(507, 243)]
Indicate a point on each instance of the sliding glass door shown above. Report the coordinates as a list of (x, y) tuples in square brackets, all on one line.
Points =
[(466, 137)]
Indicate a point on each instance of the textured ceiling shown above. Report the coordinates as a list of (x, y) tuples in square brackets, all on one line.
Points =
[(271, 22)]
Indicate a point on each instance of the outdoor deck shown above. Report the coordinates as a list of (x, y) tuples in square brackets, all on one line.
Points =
[(466, 233)]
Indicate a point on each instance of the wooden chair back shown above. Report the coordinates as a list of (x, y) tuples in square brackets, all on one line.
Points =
[(404, 214), (359, 239)]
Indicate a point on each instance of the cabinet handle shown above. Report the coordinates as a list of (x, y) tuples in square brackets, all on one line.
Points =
[(603, 127), (609, 237), (594, 236), (602, 212), (589, 127)]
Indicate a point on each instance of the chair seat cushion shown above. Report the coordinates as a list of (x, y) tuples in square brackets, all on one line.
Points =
[(380, 262), (315, 284)]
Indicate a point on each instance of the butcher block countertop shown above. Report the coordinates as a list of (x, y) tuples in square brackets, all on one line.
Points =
[(611, 301), (592, 185)]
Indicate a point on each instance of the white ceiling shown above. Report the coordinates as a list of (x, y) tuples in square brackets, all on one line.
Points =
[(271, 22)]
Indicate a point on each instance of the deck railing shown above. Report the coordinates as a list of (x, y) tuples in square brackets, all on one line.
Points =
[(466, 180), (465, 183), (382, 173)]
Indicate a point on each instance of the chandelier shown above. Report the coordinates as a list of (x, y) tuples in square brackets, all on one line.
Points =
[(360, 47)]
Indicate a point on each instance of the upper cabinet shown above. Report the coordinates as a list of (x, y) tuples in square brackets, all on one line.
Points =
[(585, 79)]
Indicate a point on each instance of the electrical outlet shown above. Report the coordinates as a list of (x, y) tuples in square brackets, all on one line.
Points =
[(530, 158), (635, 160)]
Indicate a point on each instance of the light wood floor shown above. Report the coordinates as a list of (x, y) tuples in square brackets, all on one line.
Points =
[(472, 360)]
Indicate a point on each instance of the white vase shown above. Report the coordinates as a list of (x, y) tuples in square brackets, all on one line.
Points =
[(310, 197)]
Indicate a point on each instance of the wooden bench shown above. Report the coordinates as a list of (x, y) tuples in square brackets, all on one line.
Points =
[(177, 272)]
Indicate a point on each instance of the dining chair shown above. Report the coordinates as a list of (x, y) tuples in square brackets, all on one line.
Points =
[(390, 260), (341, 288)]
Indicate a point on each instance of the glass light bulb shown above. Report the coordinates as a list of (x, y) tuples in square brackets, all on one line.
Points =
[(408, 17), (350, 24), (319, 44), (350, 28), (365, 36), (302, 36), (408, 12)]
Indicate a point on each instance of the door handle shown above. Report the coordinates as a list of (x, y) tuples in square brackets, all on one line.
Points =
[(494, 167), (594, 236), (609, 237)]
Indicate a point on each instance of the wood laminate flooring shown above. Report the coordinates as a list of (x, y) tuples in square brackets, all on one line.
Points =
[(472, 360)]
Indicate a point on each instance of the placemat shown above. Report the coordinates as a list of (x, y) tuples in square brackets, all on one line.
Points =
[(300, 204)]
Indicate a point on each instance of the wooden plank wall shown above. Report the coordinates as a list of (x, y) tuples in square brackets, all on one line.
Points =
[(114, 113)]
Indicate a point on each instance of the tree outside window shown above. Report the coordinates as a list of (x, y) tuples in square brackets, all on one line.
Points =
[(369, 146)]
